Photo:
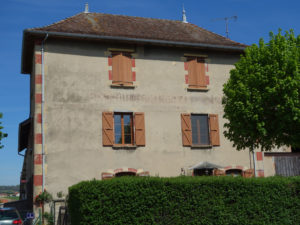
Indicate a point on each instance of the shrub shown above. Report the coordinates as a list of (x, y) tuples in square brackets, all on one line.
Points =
[(186, 200)]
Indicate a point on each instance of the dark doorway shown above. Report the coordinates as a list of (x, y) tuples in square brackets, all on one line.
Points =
[(203, 172), (234, 172), (121, 174)]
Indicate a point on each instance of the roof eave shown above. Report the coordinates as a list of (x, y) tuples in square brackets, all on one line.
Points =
[(39, 33)]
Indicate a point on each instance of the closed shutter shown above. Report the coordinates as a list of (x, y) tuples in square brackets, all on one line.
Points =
[(107, 128), (214, 130), (186, 129), (192, 72), (121, 68), (117, 68), (201, 72), (127, 69), (139, 123), (196, 72)]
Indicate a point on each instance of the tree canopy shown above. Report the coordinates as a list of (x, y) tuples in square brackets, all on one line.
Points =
[(262, 96), (2, 135)]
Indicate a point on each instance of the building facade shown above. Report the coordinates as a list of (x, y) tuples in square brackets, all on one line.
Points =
[(117, 95)]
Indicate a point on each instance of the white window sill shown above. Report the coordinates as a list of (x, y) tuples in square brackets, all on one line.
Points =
[(201, 146), (124, 147)]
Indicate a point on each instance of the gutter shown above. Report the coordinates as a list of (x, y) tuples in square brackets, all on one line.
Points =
[(136, 40), (42, 111)]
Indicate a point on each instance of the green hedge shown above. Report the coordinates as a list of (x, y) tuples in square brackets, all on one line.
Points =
[(186, 200)]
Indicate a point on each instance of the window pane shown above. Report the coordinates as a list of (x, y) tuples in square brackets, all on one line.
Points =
[(200, 135), (127, 139), (127, 129), (118, 129)]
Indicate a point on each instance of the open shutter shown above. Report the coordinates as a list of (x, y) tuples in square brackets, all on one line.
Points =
[(139, 123), (186, 129), (107, 128), (214, 130), (196, 72), (117, 77), (127, 69)]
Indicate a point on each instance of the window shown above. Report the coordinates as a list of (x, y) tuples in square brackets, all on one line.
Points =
[(200, 130), (122, 74), (196, 77), (123, 129)]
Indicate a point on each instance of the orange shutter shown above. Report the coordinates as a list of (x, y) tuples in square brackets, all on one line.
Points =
[(214, 130), (192, 71), (186, 129), (201, 72), (107, 128), (127, 69), (196, 72), (139, 123), (121, 68)]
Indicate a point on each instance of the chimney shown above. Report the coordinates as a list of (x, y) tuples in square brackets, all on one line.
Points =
[(86, 10)]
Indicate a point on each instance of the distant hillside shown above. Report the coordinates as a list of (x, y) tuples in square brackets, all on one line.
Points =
[(9, 189)]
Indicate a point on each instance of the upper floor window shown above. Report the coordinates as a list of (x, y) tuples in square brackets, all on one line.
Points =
[(200, 130), (123, 129), (122, 74), (196, 78)]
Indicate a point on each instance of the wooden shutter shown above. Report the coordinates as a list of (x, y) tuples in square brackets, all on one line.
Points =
[(214, 130), (139, 123), (186, 129), (127, 69), (201, 72), (117, 68), (107, 128), (121, 68), (196, 72)]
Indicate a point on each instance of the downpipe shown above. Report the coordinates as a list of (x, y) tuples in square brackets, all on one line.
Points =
[(42, 110)]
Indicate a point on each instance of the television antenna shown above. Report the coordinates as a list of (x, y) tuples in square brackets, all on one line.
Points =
[(234, 18)]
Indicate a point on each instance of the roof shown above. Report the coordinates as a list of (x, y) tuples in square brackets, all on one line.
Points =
[(132, 29)]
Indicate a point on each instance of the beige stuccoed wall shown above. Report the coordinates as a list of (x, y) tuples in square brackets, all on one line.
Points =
[(77, 91)]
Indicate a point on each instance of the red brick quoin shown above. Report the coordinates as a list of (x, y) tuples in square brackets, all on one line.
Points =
[(38, 180)]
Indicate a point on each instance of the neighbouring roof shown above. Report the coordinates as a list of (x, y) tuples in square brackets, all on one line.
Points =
[(205, 165), (130, 29)]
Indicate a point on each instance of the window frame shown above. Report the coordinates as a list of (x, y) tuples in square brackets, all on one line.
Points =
[(208, 130), (123, 128)]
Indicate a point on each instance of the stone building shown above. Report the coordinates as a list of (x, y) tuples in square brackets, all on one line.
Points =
[(114, 95)]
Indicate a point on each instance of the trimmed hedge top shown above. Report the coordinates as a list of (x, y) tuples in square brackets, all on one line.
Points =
[(186, 200)]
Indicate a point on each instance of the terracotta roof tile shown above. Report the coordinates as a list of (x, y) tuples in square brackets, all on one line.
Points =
[(137, 27)]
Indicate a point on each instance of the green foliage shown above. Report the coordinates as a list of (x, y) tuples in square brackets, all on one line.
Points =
[(262, 97), (186, 200), (49, 217), (2, 135), (60, 194), (44, 197), (9, 189)]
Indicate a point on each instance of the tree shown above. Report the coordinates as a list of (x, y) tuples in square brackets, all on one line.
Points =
[(2, 135), (262, 96)]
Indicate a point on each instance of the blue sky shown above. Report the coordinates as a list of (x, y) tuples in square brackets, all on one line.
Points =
[(256, 18)]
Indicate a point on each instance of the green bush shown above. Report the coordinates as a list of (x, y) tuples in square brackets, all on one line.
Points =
[(186, 200)]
